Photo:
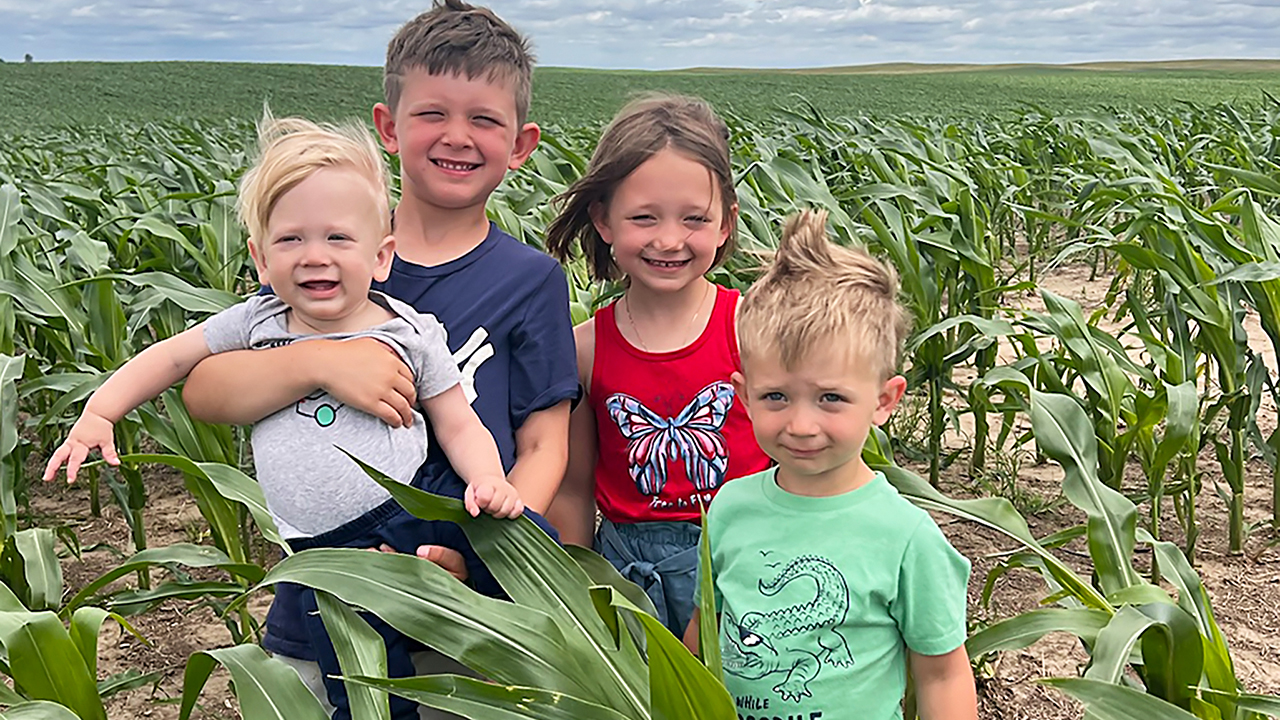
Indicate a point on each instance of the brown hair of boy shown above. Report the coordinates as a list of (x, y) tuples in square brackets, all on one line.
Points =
[(456, 38), (816, 294), (642, 129)]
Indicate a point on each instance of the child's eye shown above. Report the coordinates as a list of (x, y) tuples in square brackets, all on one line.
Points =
[(429, 114), (486, 120), (338, 237), (832, 397), (641, 218), (773, 396), (288, 239), (697, 219)]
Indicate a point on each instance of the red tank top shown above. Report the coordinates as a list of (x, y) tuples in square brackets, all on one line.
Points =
[(669, 429)]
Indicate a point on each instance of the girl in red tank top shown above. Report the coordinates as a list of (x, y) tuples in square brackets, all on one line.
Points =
[(659, 430)]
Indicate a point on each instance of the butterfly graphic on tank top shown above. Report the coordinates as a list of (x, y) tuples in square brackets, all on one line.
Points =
[(693, 436)]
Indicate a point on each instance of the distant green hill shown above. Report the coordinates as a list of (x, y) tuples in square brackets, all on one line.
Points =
[(42, 94)]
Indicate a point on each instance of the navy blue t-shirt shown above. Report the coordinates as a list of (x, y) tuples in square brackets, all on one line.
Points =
[(505, 308)]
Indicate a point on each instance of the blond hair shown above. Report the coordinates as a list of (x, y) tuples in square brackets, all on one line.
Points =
[(291, 150), (456, 38), (642, 129), (817, 294)]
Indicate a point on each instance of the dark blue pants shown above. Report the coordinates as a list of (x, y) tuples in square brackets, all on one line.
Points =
[(294, 626)]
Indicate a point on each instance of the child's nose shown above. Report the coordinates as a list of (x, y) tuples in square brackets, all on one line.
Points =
[(802, 423), (670, 236), (315, 253), (456, 132)]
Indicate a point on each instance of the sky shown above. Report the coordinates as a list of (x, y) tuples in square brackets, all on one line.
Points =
[(658, 34)]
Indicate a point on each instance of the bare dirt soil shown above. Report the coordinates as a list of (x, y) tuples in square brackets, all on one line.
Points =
[(1245, 589)]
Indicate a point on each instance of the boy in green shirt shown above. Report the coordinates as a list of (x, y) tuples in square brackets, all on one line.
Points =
[(829, 582)]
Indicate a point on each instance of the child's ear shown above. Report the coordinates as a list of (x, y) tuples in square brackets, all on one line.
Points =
[(890, 395), (727, 224), (258, 262), (740, 389), (526, 140), (384, 119), (382, 261), (597, 211)]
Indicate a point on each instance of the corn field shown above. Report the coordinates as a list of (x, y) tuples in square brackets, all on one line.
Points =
[(113, 237)]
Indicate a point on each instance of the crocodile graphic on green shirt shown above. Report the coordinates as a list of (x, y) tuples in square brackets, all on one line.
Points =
[(796, 640)]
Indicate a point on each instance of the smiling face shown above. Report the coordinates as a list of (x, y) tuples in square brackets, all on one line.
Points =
[(664, 222), (456, 138), (813, 419), (323, 246)]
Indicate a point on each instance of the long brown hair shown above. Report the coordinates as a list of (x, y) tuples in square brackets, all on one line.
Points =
[(643, 128)]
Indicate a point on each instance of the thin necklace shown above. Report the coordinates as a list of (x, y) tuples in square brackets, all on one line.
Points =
[(631, 321)]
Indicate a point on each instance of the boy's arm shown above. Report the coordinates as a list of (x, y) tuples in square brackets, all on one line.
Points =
[(472, 453), (137, 381), (242, 387), (944, 686), (541, 454), (573, 512)]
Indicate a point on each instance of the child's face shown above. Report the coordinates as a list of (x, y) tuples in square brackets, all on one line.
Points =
[(665, 222), (324, 245), (813, 419), (456, 138)]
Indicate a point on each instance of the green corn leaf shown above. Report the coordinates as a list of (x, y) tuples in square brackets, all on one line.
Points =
[(602, 572), (85, 625), (39, 710), (10, 218), (559, 588), (227, 482), (1024, 630), (1065, 434), (1105, 701), (40, 566), (360, 652), (10, 371), (1265, 704), (508, 643), (47, 665), (708, 631), (1181, 658), (196, 556), (679, 685), (266, 688), (480, 700)]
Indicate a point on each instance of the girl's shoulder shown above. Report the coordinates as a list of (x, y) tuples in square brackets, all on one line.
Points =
[(584, 340)]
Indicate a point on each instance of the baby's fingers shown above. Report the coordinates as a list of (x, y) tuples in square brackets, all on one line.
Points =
[(469, 500), (59, 457), (108, 450), (77, 457)]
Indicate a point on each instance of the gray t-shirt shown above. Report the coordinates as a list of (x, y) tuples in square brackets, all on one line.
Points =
[(310, 486)]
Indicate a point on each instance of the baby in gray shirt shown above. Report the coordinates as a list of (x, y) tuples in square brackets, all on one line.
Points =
[(315, 205)]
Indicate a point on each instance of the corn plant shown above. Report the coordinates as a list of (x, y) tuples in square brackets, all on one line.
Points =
[(561, 649)]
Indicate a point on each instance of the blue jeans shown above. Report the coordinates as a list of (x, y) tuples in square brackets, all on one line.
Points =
[(294, 626), (660, 557)]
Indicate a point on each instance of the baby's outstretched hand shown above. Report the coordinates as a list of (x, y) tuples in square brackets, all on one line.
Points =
[(90, 431), (495, 496)]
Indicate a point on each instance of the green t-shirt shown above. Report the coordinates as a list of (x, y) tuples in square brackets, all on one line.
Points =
[(821, 597)]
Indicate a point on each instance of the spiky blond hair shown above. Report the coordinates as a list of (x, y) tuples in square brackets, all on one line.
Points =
[(291, 150), (817, 294)]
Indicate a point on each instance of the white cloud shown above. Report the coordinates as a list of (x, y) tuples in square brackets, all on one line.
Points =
[(659, 33)]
